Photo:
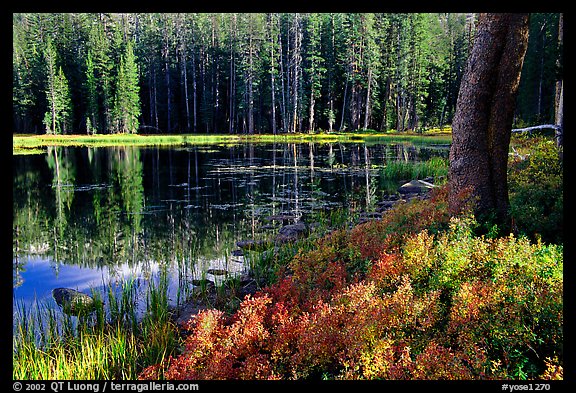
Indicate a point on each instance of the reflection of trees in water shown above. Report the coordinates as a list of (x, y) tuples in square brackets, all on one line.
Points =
[(63, 168), (113, 206)]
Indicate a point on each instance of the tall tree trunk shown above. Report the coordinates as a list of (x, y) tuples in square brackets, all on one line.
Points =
[(155, 103), (311, 113), (215, 77), (186, 90), (282, 84), (331, 116), (270, 22), (168, 94), (232, 77), (344, 101), (165, 54), (483, 120), (354, 115), (194, 95), (367, 113), (150, 97), (559, 99), (272, 87), (249, 82), (296, 77)]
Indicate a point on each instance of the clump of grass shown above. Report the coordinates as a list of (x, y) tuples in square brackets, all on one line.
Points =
[(117, 344), (436, 167)]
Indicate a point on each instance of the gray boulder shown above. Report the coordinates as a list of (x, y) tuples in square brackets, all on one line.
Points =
[(73, 302), (415, 187)]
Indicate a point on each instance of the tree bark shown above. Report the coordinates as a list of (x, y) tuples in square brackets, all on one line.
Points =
[(186, 90), (296, 60), (283, 112), (367, 113), (559, 96), (483, 120)]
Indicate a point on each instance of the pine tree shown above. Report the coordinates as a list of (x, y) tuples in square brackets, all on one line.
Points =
[(127, 100), (92, 96), (315, 68), (58, 116), (103, 65)]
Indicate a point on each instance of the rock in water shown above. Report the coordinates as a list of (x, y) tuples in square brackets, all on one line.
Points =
[(73, 302), (291, 233), (416, 187)]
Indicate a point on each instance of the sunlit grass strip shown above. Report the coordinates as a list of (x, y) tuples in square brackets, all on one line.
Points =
[(50, 345), (435, 167), (25, 142)]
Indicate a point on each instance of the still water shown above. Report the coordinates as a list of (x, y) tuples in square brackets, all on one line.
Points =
[(84, 217)]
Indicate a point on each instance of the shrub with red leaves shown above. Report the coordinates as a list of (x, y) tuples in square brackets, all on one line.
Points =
[(392, 299)]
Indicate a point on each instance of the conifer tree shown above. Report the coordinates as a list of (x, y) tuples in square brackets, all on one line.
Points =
[(58, 116), (92, 97), (127, 100)]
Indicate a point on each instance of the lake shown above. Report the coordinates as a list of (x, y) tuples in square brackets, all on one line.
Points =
[(85, 217)]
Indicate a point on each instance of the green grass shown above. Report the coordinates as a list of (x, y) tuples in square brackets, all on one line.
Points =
[(22, 143), (436, 167), (48, 344)]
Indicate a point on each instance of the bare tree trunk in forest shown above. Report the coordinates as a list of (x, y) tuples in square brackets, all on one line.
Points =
[(296, 61), (483, 120), (282, 84), (559, 101), (232, 77), (194, 94), (331, 116), (150, 95), (186, 89), (311, 112), (165, 52), (354, 115), (168, 93), (154, 89), (249, 82), (215, 77), (273, 90), (367, 113), (344, 102), (384, 124), (272, 71)]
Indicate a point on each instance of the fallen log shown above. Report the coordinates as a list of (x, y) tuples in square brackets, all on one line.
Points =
[(540, 127)]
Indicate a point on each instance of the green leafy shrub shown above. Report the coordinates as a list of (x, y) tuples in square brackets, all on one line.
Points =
[(429, 305), (536, 190)]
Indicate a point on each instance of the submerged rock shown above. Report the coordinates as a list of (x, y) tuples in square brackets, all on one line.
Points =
[(385, 205), (74, 302), (290, 233), (237, 253), (254, 245), (369, 216), (281, 218), (415, 187), (217, 272)]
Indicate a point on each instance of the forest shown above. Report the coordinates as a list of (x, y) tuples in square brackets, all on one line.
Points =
[(102, 73)]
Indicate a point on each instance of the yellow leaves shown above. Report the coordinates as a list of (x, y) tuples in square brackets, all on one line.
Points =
[(554, 369), (419, 254)]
